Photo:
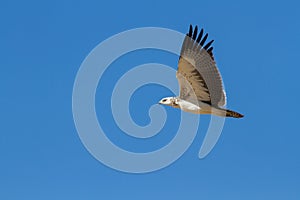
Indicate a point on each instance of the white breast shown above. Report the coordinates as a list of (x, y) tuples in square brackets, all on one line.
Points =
[(189, 107), (202, 108)]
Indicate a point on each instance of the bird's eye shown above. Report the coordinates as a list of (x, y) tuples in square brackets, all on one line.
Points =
[(164, 100)]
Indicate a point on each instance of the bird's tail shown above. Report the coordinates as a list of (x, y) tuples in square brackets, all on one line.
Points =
[(230, 113)]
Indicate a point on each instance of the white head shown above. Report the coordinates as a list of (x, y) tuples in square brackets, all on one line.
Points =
[(169, 101)]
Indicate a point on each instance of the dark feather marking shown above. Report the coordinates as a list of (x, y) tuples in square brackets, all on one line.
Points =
[(191, 31), (204, 39), (210, 49), (199, 77), (195, 33), (208, 44), (200, 35), (207, 102)]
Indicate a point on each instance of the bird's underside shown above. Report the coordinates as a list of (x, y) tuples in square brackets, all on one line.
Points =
[(201, 86), (203, 108)]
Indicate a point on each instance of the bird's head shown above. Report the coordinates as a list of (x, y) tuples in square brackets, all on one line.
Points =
[(169, 101)]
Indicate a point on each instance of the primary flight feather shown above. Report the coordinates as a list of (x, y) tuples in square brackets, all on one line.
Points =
[(201, 87)]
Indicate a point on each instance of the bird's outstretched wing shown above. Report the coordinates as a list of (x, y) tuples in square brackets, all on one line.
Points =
[(197, 72)]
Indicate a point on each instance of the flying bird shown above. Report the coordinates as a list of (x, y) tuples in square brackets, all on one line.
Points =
[(201, 85)]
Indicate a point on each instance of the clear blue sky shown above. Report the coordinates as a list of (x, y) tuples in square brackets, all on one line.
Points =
[(256, 48)]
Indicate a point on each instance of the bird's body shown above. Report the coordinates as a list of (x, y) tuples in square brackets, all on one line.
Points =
[(201, 87), (201, 108)]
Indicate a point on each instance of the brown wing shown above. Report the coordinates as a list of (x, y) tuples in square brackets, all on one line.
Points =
[(197, 71)]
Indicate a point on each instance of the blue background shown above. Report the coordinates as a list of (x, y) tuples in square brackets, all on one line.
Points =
[(256, 48)]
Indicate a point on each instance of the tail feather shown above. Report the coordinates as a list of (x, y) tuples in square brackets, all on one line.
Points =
[(230, 113)]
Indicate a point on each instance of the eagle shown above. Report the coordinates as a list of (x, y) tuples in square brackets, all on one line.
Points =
[(201, 85)]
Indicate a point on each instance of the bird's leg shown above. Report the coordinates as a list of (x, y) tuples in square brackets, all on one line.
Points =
[(175, 102)]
